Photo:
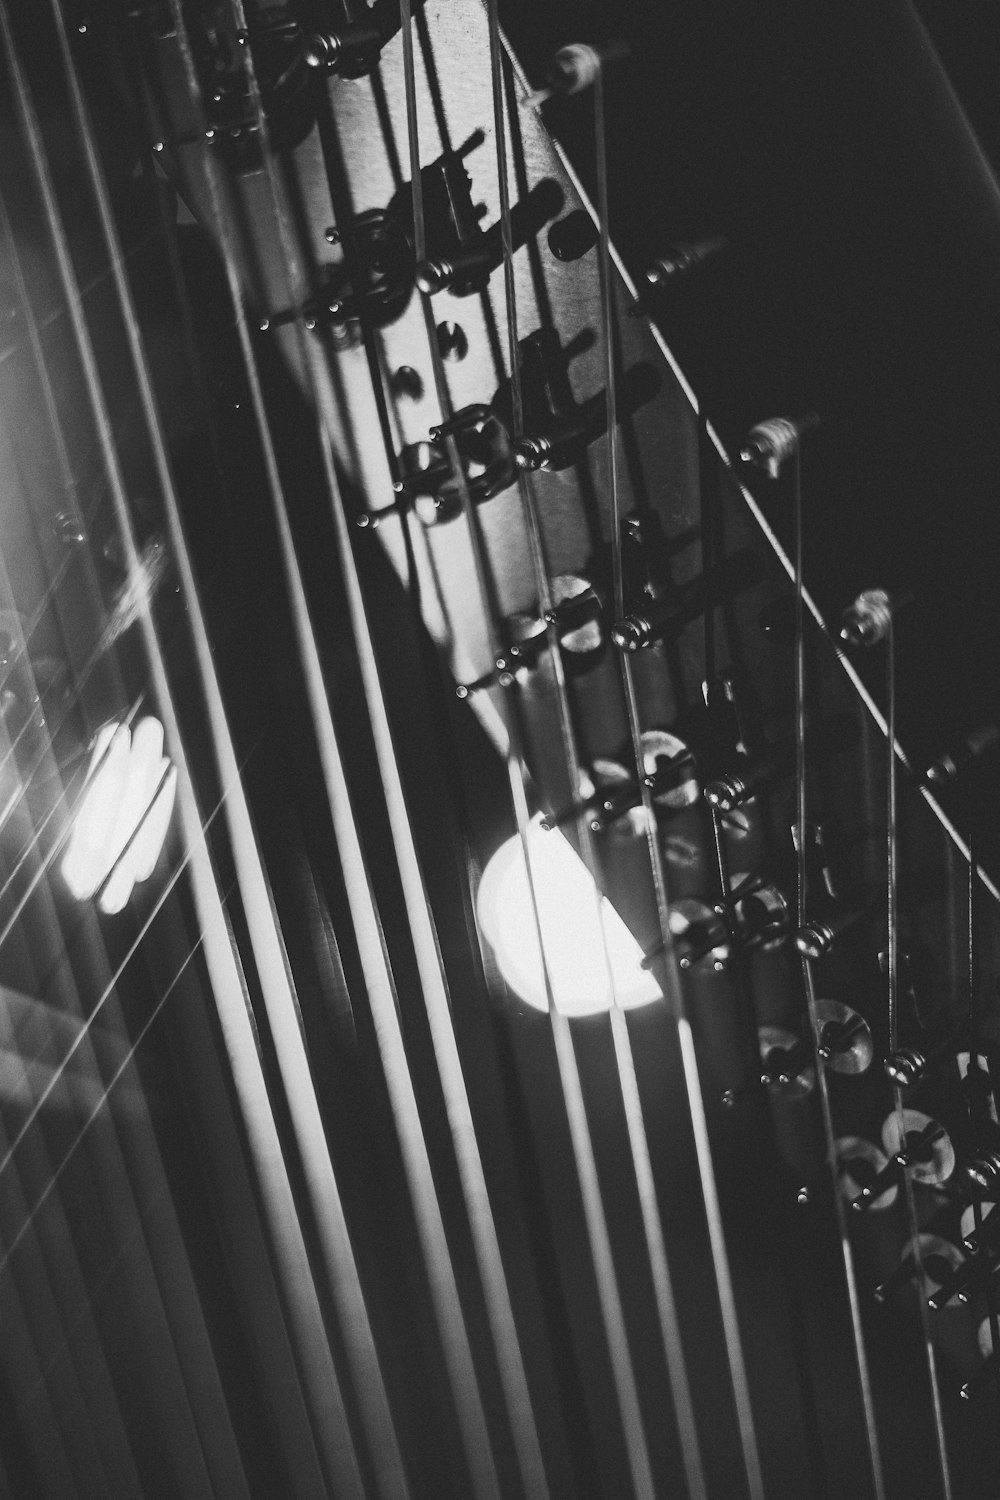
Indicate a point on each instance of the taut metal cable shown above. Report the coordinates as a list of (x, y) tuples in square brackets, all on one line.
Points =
[(892, 990), (58, 1275), (53, 1260), (625, 1062), (610, 330), (375, 962), (815, 1027), (565, 1055), (667, 964), (179, 1353), (66, 476), (435, 990), (992, 1302), (265, 936), (331, 1432), (597, 1230)]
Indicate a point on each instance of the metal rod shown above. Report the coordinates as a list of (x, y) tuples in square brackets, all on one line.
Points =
[(667, 964), (892, 1004), (622, 1367), (801, 872), (328, 1410)]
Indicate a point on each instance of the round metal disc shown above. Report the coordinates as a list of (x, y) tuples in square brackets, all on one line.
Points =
[(587, 635), (659, 746), (858, 1056), (779, 1036), (934, 1248), (941, 1162), (606, 771), (769, 900), (968, 1220), (855, 1148), (610, 776), (522, 628), (984, 1337), (686, 916)]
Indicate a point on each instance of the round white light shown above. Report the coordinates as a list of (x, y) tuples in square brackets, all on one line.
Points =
[(121, 820), (583, 937)]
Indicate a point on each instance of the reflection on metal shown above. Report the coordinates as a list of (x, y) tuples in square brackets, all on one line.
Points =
[(927, 1145), (860, 1161), (844, 1037)]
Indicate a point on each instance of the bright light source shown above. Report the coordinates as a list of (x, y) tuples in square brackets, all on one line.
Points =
[(121, 820), (576, 954)]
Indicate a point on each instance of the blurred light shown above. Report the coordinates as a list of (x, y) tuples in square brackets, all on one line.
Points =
[(571, 933), (136, 594), (121, 820)]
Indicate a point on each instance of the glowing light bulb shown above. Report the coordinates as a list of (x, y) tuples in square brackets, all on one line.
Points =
[(121, 821), (579, 946)]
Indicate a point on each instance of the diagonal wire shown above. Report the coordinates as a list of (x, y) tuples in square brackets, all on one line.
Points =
[(46, 862), (124, 1065), (137, 942)]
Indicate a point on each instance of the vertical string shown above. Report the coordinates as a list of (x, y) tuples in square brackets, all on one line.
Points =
[(668, 965), (970, 935), (165, 1290), (598, 1236), (822, 1084), (992, 1303), (271, 960), (599, 1240), (66, 476), (892, 990), (670, 1332), (801, 824), (58, 1285), (610, 335), (67, 482), (187, 1388), (326, 1403), (892, 841), (438, 1001), (375, 963)]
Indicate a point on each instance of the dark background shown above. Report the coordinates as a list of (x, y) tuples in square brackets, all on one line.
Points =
[(861, 281)]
